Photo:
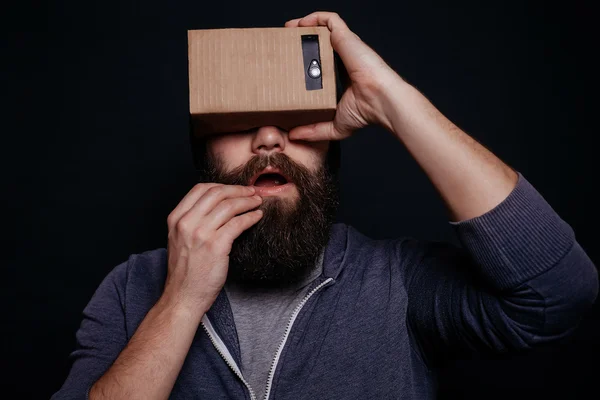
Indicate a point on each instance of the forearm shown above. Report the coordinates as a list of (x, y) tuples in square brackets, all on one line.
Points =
[(470, 179), (149, 365)]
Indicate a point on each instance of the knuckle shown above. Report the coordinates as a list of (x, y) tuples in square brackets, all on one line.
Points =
[(238, 222), (170, 220), (199, 187), (183, 225), (204, 187), (199, 235), (214, 191), (213, 246), (227, 205)]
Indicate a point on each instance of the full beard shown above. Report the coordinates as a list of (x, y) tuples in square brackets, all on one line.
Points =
[(283, 247)]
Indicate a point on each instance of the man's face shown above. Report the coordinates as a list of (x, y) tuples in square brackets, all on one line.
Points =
[(234, 150), (299, 202)]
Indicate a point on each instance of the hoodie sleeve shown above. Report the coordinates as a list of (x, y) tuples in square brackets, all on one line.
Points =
[(100, 337), (519, 280)]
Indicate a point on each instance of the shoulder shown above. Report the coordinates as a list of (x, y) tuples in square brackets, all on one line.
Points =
[(147, 272), (148, 266), (405, 248), (141, 274), (139, 279), (403, 251)]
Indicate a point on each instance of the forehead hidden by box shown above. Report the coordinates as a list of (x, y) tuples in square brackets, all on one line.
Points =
[(241, 79)]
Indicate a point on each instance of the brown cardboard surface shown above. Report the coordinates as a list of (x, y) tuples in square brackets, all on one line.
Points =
[(245, 78)]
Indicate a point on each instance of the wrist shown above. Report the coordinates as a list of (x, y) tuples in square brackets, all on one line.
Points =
[(185, 306), (392, 92), (408, 112)]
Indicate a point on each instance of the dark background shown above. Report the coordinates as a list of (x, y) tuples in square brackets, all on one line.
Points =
[(96, 153)]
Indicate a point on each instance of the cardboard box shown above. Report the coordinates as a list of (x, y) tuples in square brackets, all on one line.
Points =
[(241, 79)]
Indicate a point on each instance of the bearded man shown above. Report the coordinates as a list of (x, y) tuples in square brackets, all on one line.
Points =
[(260, 295)]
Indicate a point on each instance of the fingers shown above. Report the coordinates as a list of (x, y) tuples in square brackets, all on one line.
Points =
[(211, 198), (293, 23), (345, 42), (188, 201), (321, 18), (232, 229), (229, 208)]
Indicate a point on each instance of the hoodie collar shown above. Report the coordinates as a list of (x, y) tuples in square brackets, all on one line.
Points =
[(335, 252), (220, 313)]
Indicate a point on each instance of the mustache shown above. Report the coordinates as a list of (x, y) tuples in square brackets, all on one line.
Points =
[(298, 174)]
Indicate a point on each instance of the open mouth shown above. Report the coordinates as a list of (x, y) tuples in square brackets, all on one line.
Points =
[(269, 178)]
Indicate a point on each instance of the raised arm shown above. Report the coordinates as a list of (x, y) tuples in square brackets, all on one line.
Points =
[(521, 278)]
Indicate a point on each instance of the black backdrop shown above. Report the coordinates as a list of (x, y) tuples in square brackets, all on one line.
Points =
[(96, 153)]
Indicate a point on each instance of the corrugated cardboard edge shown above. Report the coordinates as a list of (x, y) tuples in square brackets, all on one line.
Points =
[(211, 123)]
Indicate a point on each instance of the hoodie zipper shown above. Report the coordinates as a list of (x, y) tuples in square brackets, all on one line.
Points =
[(224, 352), (287, 333), (227, 357)]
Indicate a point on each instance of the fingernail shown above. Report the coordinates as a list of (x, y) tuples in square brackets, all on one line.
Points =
[(257, 197)]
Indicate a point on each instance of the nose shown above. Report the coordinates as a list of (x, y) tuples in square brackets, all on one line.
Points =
[(268, 139)]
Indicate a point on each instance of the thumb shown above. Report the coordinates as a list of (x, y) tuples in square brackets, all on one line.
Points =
[(320, 131), (314, 132)]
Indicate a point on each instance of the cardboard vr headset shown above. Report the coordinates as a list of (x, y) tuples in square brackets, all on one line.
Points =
[(241, 79)]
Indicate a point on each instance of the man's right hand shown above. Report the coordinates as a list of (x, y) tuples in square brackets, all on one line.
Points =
[(202, 229)]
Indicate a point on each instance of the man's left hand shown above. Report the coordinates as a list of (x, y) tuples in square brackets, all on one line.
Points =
[(362, 102)]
